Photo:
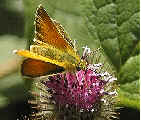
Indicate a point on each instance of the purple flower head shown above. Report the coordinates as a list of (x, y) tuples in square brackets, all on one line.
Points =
[(81, 89)]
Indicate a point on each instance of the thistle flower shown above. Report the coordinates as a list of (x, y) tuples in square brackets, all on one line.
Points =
[(84, 94), (81, 89)]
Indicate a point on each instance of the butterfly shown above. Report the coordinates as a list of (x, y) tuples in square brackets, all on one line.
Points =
[(52, 51)]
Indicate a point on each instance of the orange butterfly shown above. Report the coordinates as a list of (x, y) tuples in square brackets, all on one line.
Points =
[(52, 51)]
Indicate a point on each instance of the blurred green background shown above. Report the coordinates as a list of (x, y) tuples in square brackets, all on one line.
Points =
[(111, 24)]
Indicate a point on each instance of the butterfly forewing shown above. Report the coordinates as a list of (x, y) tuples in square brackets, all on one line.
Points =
[(63, 33), (46, 31)]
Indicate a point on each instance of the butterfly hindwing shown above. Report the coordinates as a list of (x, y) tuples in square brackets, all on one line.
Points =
[(34, 68)]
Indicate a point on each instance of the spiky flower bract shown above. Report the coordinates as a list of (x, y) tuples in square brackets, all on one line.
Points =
[(83, 94)]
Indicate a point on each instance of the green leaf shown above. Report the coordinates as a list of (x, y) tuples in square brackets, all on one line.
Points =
[(129, 80), (130, 71), (115, 23), (129, 95)]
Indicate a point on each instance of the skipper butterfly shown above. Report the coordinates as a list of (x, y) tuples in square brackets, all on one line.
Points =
[(53, 51)]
